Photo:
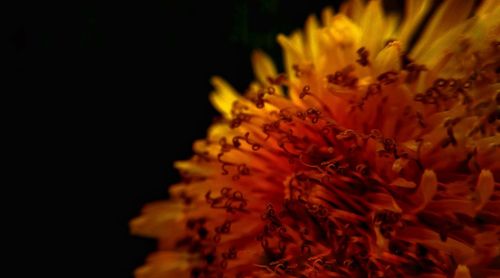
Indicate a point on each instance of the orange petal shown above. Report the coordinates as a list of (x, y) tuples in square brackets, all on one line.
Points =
[(427, 189), (462, 272), (166, 264), (484, 188)]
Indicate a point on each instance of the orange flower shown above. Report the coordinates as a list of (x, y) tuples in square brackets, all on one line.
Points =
[(369, 157)]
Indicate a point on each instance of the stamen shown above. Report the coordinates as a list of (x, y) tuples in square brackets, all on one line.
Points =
[(305, 92), (279, 80), (313, 114), (343, 78), (363, 56), (387, 78)]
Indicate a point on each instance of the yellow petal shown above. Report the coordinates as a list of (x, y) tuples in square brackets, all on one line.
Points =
[(415, 11), (487, 6), (312, 40), (195, 168), (223, 97), (217, 131), (327, 16), (372, 26), (160, 218), (291, 51), (389, 59), (263, 68), (354, 9), (449, 14)]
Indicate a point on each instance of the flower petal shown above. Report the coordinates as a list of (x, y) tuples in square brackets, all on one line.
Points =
[(264, 69), (427, 189), (448, 15), (484, 188), (462, 272), (388, 59), (223, 97), (415, 12), (166, 264)]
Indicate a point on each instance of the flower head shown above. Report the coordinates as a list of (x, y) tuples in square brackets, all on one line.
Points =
[(371, 156)]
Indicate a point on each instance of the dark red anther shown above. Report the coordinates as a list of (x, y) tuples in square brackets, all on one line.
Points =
[(224, 192), (433, 92), (495, 45), (397, 247), (362, 169), (259, 103), (300, 115), (236, 142), (336, 78), (494, 116), (375, 134), (235, 123), (202, 232), (226, 227), (347, 134), (296, 69), (264, 243), (191, 224), (282, 244), (363, 56), (276, 81), (373, 89), (466, 99), (232, 253), (343, 77), (389, 145), (216, 237), (420, 119), (238, 195), (222, 141), (413, 70), (451, 136), (452, 83), (305, 249), (305, 92), (208, 198), (243, 170), (313, 114), (285, 116), (440, 83), (388, 77), (243, 205), (452, 122), (322, 213), (196, 272), (430, 100)]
